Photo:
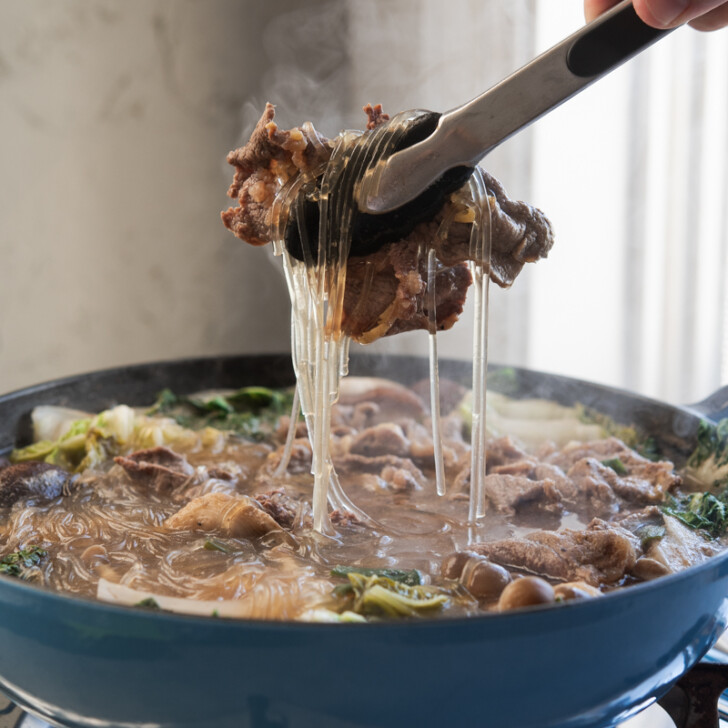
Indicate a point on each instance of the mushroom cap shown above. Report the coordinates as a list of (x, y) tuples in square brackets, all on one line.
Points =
[(39, 480)]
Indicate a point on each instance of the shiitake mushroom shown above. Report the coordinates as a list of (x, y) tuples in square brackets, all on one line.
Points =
[(481, 577), (526, 592), (34, 480), (575, 590)]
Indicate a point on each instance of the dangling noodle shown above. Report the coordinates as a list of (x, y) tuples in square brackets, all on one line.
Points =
[(290, 436), (434, 372), (320, 348), (480, 249)]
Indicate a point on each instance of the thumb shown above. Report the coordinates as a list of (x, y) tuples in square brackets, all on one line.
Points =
[(670, 13)]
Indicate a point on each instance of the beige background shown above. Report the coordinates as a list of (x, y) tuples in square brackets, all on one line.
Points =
[(116, 116), (115, 119)]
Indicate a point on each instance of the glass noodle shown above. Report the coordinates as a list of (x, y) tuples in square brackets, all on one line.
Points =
[(319, 346)]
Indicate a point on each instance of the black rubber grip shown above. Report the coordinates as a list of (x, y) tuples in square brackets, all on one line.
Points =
[(369, 233), (611, 43)]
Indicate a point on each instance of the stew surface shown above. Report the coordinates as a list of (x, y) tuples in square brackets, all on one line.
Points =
[(194, 505)]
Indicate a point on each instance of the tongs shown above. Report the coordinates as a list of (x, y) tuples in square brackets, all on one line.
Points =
[(437, 154)]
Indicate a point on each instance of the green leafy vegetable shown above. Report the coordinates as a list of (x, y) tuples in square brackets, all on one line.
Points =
[(148, 603), (712, 443), (21, 563), (166, 400), (378, 596), (708, 463), (88, 442), (649, 449), (649, 533), (627, 434), (703, 511), (503, 380), (252, 412), (213, 544), (37, 451), (617, 465), (410, 577)]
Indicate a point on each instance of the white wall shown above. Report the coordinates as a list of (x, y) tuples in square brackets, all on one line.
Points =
[(115, 118)]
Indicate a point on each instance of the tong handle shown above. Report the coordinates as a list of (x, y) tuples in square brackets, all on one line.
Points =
[(602, 46), (467, 133)]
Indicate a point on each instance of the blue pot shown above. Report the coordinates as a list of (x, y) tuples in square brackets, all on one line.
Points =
[(82, 663)]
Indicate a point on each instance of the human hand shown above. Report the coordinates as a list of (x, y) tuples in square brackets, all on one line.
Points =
[(700, 14)]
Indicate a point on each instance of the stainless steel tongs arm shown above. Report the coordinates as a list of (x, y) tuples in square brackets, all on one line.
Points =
[(464, 135)]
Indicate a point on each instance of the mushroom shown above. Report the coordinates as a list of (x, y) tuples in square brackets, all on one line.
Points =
[(32, 479), (484, 579), (575, 590), (453, 565), (527, 592), (647, 568), (481, 577)]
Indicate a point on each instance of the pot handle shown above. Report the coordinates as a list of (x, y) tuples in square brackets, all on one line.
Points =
[(693, 701), (714, 406)]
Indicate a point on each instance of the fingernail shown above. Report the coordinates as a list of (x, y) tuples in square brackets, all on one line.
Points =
[(667, 11)]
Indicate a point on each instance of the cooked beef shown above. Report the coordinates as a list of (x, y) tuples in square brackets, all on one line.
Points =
[(223, 472), (385, 291), (344, 519), (590, 487), (644, 482), (300, 461), (594, 487), (510, 493), (420, 445), (158, 468), (516, 467), (371, 401), (399, 473), (284, 509), (284, 423), (601, 554), (384, 439), (237, 516), (552, 472), (503, 450), (270, 157), (636, 521), (568, 455), (520, 234), (36, 481), (401, 479), (375, 116)]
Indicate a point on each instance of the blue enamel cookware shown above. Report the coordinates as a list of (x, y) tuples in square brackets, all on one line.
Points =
[(84, 664)]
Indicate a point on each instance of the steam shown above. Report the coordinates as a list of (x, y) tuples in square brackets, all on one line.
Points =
[(307, 69)]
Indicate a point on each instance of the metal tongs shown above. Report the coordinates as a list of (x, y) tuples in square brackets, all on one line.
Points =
[(464, 135), (435, 155)]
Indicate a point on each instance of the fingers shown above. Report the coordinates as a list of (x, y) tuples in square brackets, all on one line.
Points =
[(670, 13), (701, 14), (594, 8), (713, 20)]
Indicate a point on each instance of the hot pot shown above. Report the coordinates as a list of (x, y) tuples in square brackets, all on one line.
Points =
[(81, 663)]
